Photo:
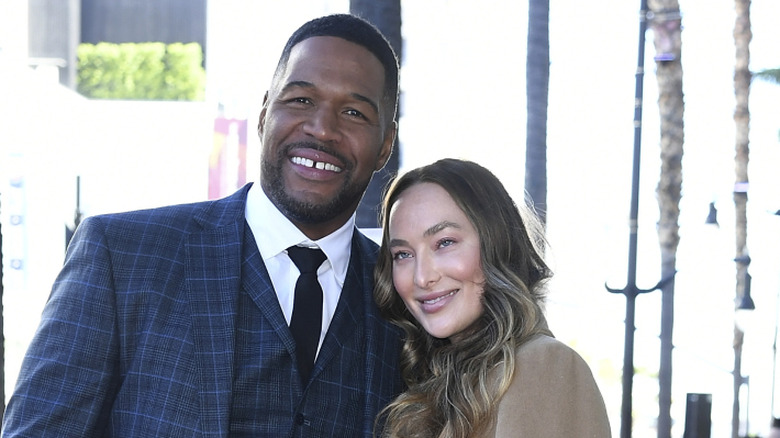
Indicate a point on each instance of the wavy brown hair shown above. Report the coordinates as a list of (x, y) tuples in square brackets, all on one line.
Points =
[(454, 389)]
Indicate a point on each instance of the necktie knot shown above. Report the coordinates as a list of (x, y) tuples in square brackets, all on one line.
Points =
[(307, 260)]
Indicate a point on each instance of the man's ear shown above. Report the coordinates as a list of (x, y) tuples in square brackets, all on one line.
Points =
[(387, 145), (261, 119)]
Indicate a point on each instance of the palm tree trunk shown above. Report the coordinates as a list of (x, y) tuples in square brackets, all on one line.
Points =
[(742, 77), (537, 84), (385, 15), (666, 28)]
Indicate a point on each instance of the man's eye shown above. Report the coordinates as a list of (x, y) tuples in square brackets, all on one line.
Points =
[(354, 113), (302, 100)]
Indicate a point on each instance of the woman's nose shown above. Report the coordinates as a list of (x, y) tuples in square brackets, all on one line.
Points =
[(425, 272)]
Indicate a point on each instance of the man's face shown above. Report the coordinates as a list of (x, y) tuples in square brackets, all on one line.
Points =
[(324, 130)]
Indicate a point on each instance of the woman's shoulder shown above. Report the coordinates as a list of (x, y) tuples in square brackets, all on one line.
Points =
[(543, 349), (553, 393)]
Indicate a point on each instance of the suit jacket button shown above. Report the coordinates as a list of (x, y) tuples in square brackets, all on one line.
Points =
[(300, 419)]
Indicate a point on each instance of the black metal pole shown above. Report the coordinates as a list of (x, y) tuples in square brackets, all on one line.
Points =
[(77, 218), (77, 215), (2, 329), (626, 408), (631, 291), (774, 352), (774, 358)]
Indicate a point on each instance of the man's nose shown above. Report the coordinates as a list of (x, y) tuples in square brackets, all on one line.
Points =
[(323, 124)]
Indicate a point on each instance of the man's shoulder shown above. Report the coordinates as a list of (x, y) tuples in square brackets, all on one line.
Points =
[(172, 219)]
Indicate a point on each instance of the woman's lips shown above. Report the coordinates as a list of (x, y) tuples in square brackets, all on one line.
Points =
[(435, 303)]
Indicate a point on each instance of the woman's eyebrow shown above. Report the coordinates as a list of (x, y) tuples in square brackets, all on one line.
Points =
[(440, 226)]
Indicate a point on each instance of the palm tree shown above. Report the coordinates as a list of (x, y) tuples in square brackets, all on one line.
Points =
[(742, 77), (385, 15), (537, 80), (666, 28), (769, 75)]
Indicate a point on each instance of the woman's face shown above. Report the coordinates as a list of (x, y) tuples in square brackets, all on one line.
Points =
[(436, 260)]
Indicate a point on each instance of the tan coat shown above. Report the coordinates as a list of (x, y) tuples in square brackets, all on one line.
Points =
[(553, 395)]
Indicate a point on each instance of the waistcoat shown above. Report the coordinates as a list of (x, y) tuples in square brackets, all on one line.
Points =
[(268, 397)]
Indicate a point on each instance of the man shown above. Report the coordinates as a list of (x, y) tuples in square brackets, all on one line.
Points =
[(177, 321)]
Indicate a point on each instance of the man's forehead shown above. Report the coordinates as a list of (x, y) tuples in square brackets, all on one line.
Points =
[(331, 45), (331, 54)]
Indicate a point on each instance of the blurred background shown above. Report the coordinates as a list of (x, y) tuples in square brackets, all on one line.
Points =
[(64, 156)]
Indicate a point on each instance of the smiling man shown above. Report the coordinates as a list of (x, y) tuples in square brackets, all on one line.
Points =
[(186, 320), (326, 126)]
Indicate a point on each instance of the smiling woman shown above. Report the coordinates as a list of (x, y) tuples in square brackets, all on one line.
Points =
[(461, 270), (436, 268)]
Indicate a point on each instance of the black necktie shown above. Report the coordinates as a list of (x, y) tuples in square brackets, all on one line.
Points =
[(306, 322)]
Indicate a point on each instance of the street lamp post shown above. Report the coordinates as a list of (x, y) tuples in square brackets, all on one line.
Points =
[(774, 359), (2, 334), (631, 291), (744, 303), (775, 419)]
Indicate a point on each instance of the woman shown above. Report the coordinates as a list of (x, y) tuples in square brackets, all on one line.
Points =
[(460, 269)]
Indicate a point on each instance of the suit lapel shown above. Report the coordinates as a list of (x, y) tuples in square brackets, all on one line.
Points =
[(257, 283), (213, 261), (348, 319)]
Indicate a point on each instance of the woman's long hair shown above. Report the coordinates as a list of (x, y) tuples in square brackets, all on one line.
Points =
[(454, 389)]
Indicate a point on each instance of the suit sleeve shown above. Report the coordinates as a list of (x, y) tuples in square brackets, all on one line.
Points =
[(70, 370), (553, 395)]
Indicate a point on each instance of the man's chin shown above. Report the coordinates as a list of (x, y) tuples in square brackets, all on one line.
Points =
[(307, 210), (312, 208)]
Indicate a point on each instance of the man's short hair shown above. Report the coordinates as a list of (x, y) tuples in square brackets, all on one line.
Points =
[(355, 30)]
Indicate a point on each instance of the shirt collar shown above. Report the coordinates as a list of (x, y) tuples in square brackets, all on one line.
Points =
[(274, 233)]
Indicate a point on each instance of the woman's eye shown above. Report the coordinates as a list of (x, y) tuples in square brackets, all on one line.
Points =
[(445, 242), (400, 255)]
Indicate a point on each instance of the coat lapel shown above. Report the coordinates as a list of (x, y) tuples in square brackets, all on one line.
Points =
[(348, 319), (213, 261), (257, 283)]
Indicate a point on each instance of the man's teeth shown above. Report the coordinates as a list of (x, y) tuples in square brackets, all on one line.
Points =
[(315, 164), (436, 300)]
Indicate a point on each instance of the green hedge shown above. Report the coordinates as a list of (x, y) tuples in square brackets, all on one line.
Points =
[(146, 71)]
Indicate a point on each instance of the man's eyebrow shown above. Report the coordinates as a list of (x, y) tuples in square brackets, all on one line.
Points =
[(367, 100), (297, 84)]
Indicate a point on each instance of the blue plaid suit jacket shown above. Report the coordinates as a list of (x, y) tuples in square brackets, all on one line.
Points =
[(137, 337)]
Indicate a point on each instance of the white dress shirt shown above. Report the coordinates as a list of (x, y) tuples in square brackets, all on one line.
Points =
[(274, 233)]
